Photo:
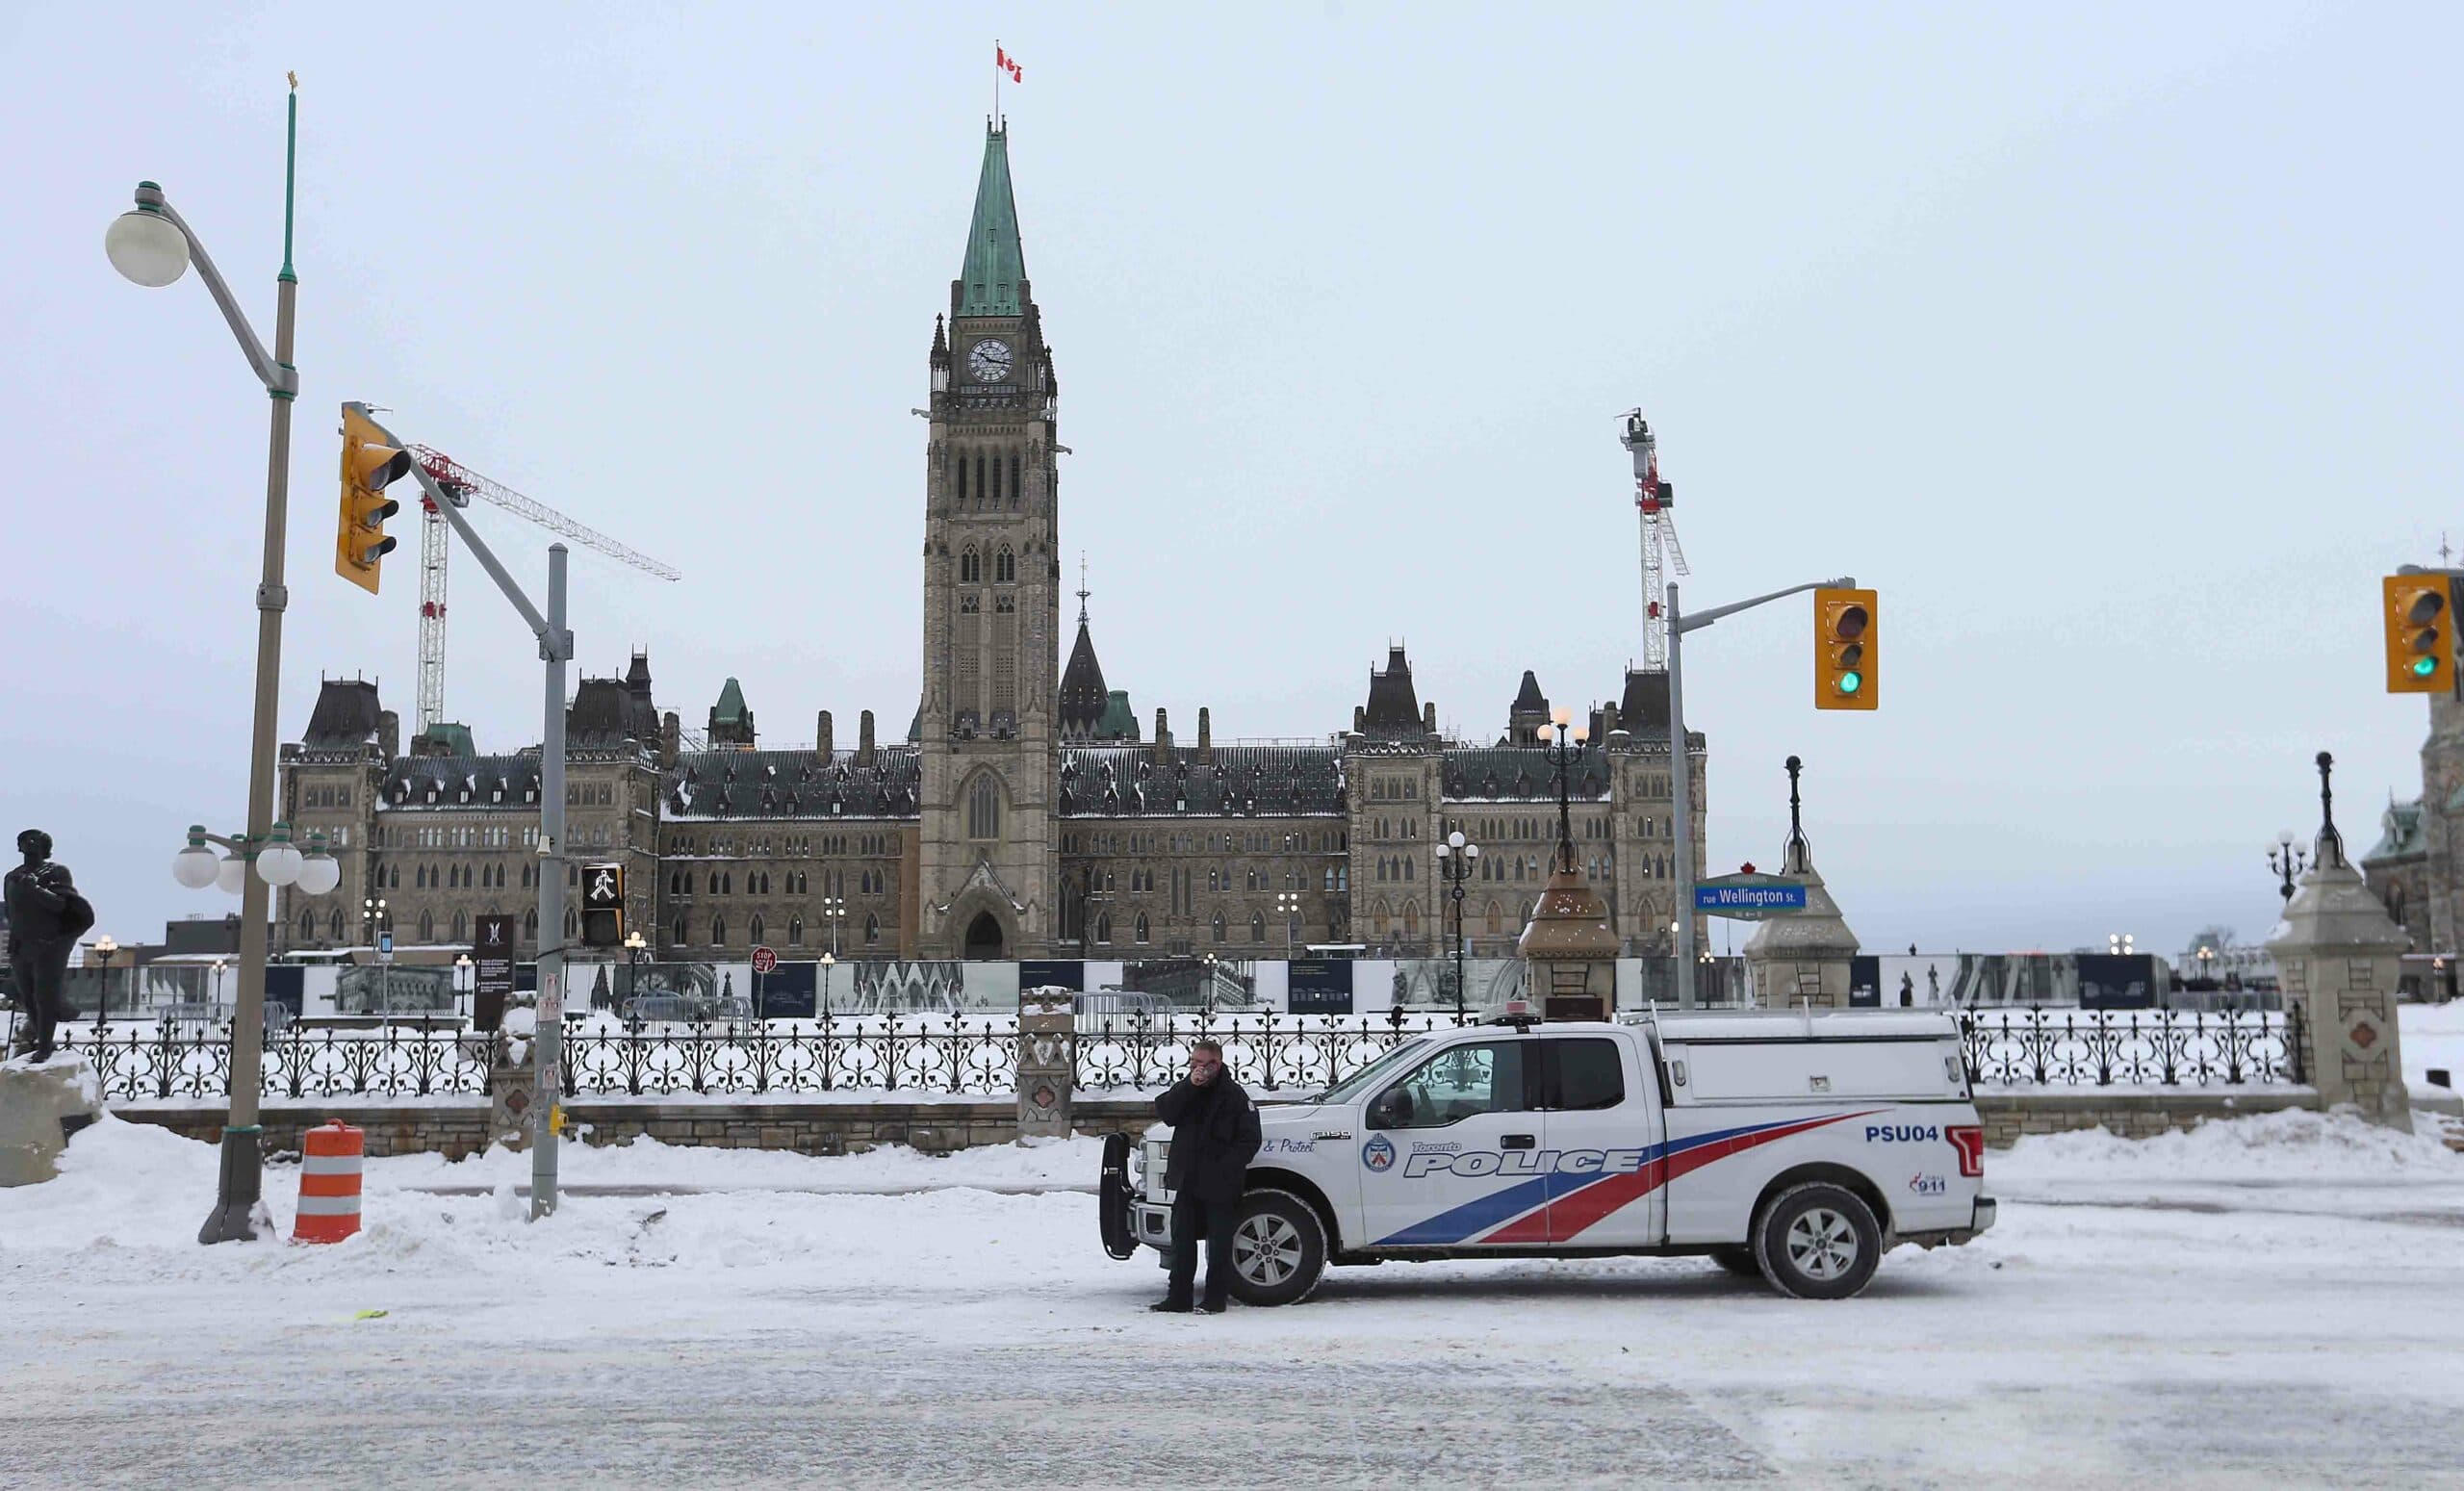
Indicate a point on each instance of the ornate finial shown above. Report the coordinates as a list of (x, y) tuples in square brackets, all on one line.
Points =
[(1082, 587), (1797, 854), (2331, 844)]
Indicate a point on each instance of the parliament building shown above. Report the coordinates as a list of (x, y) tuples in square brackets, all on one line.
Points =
[(1024, 813)]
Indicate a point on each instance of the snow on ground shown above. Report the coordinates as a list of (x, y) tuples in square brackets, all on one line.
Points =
[(2270, 1301), (2433, 1036)]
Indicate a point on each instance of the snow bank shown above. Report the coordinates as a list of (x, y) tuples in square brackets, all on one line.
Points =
[(647, 1162), (2273, 1146)]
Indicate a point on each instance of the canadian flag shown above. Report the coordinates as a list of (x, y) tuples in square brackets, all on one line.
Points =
[(1007, 64)]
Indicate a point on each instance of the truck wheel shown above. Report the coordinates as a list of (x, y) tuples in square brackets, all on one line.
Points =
[(1738, 1261), (1817, 1241), (1279, 1249)]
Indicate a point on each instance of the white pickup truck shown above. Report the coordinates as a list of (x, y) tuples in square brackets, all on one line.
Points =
[(1800, 1147)]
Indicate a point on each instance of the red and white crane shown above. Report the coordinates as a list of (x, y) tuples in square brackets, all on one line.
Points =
[(461, 484), (1662, 552)]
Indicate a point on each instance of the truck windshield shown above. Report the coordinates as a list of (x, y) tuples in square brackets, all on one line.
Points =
[(1375, 1071)]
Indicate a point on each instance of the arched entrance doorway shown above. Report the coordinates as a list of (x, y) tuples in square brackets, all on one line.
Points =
[(984, 941)]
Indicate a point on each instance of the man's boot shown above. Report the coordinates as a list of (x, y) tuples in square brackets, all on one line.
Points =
[(1168, 1306)]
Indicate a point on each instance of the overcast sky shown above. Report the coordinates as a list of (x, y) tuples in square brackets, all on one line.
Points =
[(2117, 347)]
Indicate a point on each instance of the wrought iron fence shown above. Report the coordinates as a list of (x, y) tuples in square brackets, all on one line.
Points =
[(932, 1054), (925, 1054), (2070, 1047)]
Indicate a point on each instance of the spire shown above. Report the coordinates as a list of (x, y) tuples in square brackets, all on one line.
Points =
[(992, 280), (1083, 694), (1082, 587)]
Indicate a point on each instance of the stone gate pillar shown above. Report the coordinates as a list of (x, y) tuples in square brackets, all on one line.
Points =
[(2337, 955), (1047, 1062), (1802, 959)]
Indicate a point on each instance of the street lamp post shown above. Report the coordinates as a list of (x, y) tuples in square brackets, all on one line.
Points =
[(828, 961), (636, 948), (103, 947), (461, 977), (835, 909), (1456, 860), (1563, 753), (1288, 903), (2119, 944), (2288, 862), (153, 245)]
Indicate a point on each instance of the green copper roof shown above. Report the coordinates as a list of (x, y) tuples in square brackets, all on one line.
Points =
[(448, 739), (729, 708), (992, 280), (1119, 721)]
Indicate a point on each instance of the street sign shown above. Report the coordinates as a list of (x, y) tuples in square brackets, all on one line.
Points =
[(765, 960), (492, 982), (1749, 897), (384, 947)]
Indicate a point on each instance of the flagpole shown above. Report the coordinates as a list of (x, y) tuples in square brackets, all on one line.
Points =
[(997, 70)]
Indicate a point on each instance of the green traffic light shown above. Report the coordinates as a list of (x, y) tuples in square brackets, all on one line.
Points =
[(1850, 682), (2423, 667)]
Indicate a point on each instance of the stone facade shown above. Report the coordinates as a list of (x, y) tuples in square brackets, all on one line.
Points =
[(2417, 866), (1021, 815)]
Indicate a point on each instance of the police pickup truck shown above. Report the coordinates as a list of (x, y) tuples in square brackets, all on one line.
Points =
[(1797, 1145)]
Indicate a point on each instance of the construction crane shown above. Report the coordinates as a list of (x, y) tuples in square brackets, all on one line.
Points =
[(460, 485), (1662, 552)]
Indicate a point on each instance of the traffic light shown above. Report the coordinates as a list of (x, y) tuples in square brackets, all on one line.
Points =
[(371, 463), (602, 906), (2420, 617), (1845, 648)]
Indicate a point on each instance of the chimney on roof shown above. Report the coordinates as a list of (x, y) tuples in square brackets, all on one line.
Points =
[(1608, 722), (822, 744), (389, 733), (1359, 719), (865, 739), (1205, 737), (671, 739), (1429, 716), (1163, 735)]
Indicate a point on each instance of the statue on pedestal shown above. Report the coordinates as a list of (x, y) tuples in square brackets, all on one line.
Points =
[(47, 915)]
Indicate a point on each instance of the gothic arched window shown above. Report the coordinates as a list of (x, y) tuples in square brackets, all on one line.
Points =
[(307, 926), (1005, 566), (461, 928), (1257, 926), (427, 926), (984, 807), (795, 932), (971, 565), (684, 932), (1142, 927), (334, 924), (531, 924), (1219, 926), (979, 480), (1016, 485), (718, 932), (755, 930), (872, 929), (1103, 927)]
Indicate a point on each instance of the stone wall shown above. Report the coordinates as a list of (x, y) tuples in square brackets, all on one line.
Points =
[(2131, 1112), (458, 1130)]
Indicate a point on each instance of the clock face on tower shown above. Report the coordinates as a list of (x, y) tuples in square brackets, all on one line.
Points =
[(988, 361)]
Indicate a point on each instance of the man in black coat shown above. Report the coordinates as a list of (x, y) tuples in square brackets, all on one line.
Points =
[(1215, 1134)]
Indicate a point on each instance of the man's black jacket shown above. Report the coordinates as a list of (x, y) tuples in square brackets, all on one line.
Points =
[(1214, 1133)]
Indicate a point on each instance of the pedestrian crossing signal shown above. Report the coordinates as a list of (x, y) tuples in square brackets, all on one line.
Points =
[(1845, 648), (602, 906), (2420, 619)]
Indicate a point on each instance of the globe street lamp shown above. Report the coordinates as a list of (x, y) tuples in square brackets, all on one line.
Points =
[(1456, 858), (152, 245), (636, 948), (835, 909), (2118, 943), (828, 959), (1288, 902), (461, 979), (102, 948), (2288, 862)]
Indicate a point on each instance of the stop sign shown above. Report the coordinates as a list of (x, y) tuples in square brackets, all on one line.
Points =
[(765, 960)]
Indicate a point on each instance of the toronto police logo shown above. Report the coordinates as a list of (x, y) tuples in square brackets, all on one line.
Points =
[(1378, 1154)]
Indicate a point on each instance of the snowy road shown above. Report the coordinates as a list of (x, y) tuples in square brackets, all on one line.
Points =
[(2272, 1303)]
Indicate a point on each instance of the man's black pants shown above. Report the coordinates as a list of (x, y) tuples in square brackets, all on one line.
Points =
[(1192, 1217)]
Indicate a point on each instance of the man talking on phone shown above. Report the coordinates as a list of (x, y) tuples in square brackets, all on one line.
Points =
[(1215, 1135)]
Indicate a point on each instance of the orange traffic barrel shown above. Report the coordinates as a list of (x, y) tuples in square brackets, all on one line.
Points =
[(328, 1183)]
